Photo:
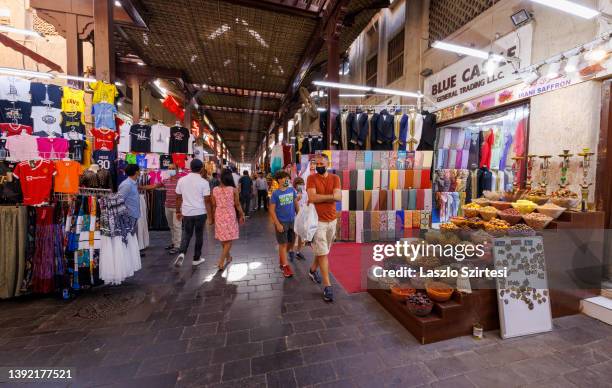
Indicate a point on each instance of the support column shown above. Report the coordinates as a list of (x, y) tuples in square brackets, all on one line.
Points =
[(286, 131), (74, 52), (104, 51), (187, 117), (135, 86), (333, 99)]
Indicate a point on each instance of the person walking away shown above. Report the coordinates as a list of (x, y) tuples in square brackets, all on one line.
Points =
[(192, 207), (253, 193), (214, 181), (245, 188), (236, 176), (128, 191), (225, 207), (323, 191), (302, 199), (283, 207), (174, 223), (262, 191)]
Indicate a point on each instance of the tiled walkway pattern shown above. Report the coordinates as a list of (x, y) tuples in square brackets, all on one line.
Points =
[(252, 328)]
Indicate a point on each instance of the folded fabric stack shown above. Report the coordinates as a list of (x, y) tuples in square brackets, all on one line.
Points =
[(382, 225), (386, 195)]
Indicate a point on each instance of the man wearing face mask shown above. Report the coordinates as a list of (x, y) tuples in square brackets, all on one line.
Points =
[(174, 223), (323, 191)]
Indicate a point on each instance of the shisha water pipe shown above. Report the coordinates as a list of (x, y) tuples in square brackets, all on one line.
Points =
[(584, 186), (529, 171), (545, 167), (564, 168)]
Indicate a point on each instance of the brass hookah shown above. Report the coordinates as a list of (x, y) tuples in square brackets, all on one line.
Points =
[(529, 171), (584, 186), (516, 165), (545, 166), (564, 168)]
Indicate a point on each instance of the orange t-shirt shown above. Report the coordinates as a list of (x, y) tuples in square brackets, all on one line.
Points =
[(325, 186), (67, 178)]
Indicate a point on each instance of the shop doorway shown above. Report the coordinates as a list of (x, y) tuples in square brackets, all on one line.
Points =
[(603, 192)]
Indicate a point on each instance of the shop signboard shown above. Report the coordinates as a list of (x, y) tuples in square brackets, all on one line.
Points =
[(523, 91), (468, 78)]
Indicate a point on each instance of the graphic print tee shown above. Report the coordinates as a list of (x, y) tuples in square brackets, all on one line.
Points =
[(104, 139), (36, 180), (67, 177), (46, 95), (47, 121), (72, 126), (73, 100), (140, 138), (8, 129), (179, 140), (16, 112), (160, 138), (15, 89)]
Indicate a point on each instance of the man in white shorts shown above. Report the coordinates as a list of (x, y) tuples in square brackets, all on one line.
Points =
[(323, 191)]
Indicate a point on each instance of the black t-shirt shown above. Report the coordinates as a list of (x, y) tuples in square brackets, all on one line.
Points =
[(179, 140), (17, 111), (165, 161), (46, 95), (72, 126), (76, 148), (140, 137)]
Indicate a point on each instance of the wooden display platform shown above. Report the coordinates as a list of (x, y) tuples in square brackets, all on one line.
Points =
[(447, 320)]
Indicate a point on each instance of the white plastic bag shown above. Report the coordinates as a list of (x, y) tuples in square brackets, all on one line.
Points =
[(306, 222)]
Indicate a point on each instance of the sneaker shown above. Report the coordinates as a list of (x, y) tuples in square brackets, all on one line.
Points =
[(328, 294), (198, 261), (173, 251), (287, 271), (292, 256), (300, 256), (314, 276), (179, 260)]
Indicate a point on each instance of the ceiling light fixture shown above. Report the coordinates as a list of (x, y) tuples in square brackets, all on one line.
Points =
[(490, 67), (529, 76), (553, 70), (321, 109), (76, 78), (20, 31), (397, 92), (472, 52), (118, 83), (341, 86), (25, 73), (117, 3), (569, 7), (596, 54), (352, 95), (572, 64)]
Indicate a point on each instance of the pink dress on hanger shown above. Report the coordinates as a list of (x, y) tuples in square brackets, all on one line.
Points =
[(226, 222)]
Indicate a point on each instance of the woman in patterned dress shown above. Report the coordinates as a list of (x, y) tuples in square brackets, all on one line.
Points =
[(225, 207)]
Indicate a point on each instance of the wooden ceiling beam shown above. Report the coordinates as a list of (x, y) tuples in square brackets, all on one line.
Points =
[(232, 91), (145, 72), (332, 13), (8, 42), (277, 6)]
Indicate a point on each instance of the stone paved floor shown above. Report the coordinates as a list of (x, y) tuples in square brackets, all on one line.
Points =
[(251, 328)]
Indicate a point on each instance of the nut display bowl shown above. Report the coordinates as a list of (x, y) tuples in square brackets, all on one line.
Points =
[(439, 291)]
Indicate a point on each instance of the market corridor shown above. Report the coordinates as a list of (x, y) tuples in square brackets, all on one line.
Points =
[(251, 328)]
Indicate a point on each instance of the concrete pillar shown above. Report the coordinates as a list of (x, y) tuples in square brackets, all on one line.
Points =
[(333, 100)]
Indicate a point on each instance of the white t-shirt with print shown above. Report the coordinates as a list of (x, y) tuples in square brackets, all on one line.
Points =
[(47, 120), (193, 188), (15, 89), (160, 138), (124, 138)]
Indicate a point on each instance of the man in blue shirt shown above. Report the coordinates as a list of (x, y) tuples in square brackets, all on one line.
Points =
[(128, 190)]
